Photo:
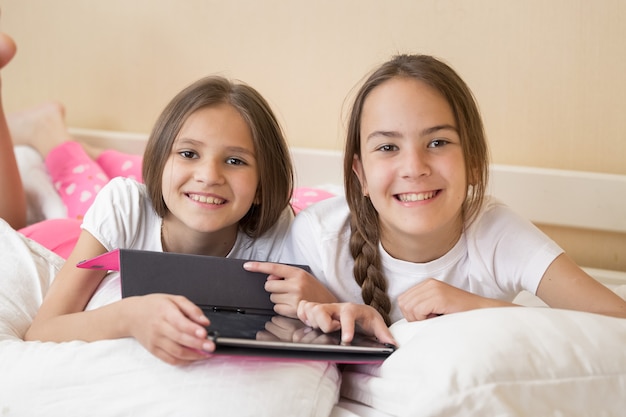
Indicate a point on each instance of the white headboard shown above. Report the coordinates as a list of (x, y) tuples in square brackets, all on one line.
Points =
[(578, 199), (575, 199)]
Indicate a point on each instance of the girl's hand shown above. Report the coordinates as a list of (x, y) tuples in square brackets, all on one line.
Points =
[(331, 317), (289, 285), (171, 327), (432, 298)]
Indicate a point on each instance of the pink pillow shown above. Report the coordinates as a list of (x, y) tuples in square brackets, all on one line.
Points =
[(303, 197)]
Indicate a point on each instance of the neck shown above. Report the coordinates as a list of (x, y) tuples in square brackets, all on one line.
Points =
[(422, 248), (179, 239)]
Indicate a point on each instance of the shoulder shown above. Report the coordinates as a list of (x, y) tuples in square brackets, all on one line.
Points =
[(327, 218), (120, 186), (121, 193), (279, 229), (319, 237), (121, 214), (511, 247), (498, 230), (496, 216), (266, 247)]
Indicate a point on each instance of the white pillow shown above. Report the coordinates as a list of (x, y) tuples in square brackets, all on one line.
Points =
[(120, 377), (518, 361), (42, 199), (26, 269)]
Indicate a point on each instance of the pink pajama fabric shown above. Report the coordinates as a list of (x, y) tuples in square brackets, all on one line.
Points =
[(304, 197), (58, 235), (78, 179), (117, 164)]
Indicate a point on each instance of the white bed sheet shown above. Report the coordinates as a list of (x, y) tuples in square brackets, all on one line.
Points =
[(120, 377), (513, 362)]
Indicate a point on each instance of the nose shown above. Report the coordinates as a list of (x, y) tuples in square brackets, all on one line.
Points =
[(210, 171), (414, 163)]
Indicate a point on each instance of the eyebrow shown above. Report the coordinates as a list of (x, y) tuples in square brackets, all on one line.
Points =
[(431, 130), (425, 132), (238, 149), (191, 142)]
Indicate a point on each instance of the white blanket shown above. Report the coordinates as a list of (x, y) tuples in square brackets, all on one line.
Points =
[(121, 378), (518, 361)]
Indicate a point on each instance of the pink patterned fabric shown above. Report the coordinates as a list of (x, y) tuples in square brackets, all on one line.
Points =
[(303, 197), (78, 178), (117, 164)]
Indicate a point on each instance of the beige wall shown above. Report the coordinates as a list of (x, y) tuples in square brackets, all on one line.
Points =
[(550, 76)]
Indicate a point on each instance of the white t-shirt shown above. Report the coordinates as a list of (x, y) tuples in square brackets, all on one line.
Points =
[(122, 216), (499, 255)]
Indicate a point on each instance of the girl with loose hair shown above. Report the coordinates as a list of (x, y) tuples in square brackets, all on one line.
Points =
[(79, 171), (217, 181), (416, 236)]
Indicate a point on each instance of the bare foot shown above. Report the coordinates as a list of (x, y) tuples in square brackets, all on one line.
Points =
[(41, 127)]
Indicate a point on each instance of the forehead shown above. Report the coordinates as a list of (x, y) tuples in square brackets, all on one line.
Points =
[(216, 122), (216, 113), (405, 103)]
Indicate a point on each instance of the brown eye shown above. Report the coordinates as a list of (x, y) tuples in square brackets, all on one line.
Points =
[(437, 143), (387, 148), (235, 161), (188, 154)]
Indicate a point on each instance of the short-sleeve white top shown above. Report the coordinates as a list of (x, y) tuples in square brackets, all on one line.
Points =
[(498, 255), (122, 216)]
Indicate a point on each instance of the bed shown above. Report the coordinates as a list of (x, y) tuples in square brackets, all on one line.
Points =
[(516, 361)]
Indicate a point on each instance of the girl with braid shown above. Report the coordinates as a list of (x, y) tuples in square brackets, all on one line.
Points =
[(416, 236)]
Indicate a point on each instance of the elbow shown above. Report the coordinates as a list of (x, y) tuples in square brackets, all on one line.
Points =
[(28, 336), (32, 335)]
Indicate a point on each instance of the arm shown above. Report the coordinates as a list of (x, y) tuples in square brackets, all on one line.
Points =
[(566, 285), (170, 327), (432, 298), (289, 285), (563, 285)]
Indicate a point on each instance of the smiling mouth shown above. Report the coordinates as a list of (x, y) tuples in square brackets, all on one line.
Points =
[(412, 197), (206, 199)]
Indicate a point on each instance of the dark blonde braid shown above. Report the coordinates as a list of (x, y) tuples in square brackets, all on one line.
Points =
[(364, 249), (367, 266)]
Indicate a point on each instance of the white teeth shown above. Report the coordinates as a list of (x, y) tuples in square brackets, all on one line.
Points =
[(206, 199), (416, 196)]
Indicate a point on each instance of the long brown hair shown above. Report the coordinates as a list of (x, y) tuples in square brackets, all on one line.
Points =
[(364, 220), (274, 161)]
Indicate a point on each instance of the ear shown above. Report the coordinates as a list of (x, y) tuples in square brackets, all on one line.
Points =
[(357, 168)]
